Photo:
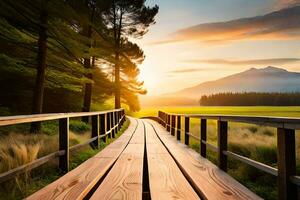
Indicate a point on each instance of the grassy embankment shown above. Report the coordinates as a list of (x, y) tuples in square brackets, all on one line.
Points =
[(255, 142), (18, 147)]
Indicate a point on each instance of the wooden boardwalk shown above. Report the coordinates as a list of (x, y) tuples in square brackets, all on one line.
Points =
[(145, 162)]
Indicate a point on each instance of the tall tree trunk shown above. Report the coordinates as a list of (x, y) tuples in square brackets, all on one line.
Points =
[(117, 33), (117, 82), (87, 31), (38, 96), (87, 90)]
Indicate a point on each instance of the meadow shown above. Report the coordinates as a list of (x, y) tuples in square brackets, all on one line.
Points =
[(256, 142)]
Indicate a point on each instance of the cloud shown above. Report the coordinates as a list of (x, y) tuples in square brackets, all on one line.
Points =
[(187, 70), (279, 25), (286, 3), (271, 61)]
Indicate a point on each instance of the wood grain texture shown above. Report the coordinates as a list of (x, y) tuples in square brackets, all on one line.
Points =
[(165, 178), (125, 179), (207, 179), (10, 120), (77, 183)]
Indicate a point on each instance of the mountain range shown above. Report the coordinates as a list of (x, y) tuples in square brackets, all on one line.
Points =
[(269, 79)]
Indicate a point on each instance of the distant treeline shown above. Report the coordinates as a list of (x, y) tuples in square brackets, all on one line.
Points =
[(251, 99)]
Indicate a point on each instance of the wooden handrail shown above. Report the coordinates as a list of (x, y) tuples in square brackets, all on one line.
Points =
[(13, 120), (286, 170), (277, 122), (100, 130)]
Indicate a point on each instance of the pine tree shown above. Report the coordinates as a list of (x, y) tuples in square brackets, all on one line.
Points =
[(130, 18), (52, 45)]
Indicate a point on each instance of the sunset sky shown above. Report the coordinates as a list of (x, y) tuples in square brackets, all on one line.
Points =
[(200, 40)]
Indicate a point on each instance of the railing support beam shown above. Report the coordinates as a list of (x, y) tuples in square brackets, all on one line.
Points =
[(203, 133), (103, 128), (64, 144), (108, 125), (222, 144), (186, 130), (168, 123), (95, 131), (178, 128), (173, 117), (112, 118), (286, 163)]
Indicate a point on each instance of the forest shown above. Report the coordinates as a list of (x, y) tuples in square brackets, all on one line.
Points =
[(251, 99), (71, 55)]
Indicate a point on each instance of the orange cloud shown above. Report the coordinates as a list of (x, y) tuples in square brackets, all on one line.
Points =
[(271, 61), (188, 70), (280, 25), (286, 3)]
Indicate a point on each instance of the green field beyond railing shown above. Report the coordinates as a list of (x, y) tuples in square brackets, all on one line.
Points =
[(285, 172)]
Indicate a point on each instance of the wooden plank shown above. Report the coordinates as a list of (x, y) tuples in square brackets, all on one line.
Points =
[(206, 178), (165, 179), (77, 183), (125, 179)]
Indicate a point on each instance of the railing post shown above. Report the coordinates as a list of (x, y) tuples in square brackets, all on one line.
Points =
[(118, 120), (178, 127), (222, 144), (163, 119), (168, 123), (203, 133), (108, 124), (63, 163), (286, 157), (173, 125), (160, 117), (123, 119), (95, 131), (103, 127), (112, 118), (186, 130)]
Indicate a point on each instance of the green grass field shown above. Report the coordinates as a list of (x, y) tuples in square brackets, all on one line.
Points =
[(256, 142)]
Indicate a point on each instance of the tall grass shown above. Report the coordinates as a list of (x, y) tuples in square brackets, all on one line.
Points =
[(20, 148)]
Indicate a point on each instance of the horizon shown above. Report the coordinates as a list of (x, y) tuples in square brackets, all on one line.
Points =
[(181, 55)]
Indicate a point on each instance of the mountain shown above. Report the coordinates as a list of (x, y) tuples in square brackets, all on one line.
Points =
[(269, 79)]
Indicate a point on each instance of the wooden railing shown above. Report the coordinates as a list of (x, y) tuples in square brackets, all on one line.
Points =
[(104, 124), (285, 172)]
